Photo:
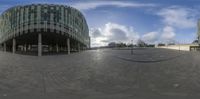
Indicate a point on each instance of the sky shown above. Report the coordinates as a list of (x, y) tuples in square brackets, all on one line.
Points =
[(153, 21)]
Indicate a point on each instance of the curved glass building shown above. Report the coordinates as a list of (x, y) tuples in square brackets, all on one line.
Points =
[(43, 28)]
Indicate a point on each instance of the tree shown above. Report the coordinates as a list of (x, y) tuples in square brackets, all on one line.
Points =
[(112, 44), (161, 44), (171, 44), (195, 42)]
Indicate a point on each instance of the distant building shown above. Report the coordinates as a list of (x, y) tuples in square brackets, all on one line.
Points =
[(112, 45), (182, 47), (43, 27)]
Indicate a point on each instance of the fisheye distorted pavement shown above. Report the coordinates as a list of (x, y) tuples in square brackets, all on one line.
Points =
[(102, 74)]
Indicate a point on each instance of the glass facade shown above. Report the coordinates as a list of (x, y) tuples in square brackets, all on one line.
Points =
[(24, 19)]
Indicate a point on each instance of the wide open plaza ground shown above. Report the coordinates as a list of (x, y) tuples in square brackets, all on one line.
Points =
[(102, 74)]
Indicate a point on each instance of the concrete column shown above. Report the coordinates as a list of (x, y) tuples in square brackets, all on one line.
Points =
[(68, 45), (14, 45), (25, 48), (51, 48), (4, 47), (57, 49), (39, 44), (29, 47), (21, 47)]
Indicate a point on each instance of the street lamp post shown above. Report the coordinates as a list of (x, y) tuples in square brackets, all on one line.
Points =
[(131, 47), (179, 47)]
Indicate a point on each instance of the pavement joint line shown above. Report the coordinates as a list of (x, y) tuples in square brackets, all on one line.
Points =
[(149, 61), (43, 82)]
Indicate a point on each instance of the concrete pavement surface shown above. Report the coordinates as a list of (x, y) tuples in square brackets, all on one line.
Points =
[(149, 73)]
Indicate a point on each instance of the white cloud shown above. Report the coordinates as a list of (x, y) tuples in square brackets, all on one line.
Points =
[(168, 34), (150, 37), (179, 17), (176, 17), (113, 32), (96, 4)]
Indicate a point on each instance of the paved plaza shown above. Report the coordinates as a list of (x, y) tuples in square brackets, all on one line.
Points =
[(149, 73)]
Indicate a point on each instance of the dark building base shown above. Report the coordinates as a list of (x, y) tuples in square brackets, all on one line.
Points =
[(43, 43)]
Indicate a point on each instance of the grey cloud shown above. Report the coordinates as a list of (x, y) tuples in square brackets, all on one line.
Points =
[(118, 35), (96, 33), (112, 32)]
